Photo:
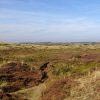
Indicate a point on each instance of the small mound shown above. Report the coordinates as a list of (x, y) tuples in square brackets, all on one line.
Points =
[(18, 76), (59, 89)]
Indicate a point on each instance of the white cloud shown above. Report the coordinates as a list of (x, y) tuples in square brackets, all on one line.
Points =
[(43, 26)]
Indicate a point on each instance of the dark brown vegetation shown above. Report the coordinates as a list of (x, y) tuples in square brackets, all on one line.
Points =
[(7, 96), (18, 76), (60, 89)]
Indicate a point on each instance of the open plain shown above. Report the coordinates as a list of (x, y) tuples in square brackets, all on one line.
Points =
[(67, 71)]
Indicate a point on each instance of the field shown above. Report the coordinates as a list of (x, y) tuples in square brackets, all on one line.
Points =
[(69, 71)]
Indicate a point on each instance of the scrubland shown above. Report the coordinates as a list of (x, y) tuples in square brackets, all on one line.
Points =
[(72, 71)]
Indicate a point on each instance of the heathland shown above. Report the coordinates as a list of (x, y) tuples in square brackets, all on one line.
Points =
[(49, 71)]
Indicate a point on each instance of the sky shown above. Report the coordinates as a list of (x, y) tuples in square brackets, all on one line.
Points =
[(50, 20)]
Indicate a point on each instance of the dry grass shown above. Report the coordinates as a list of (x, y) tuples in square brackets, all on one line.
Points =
[(79, 62)]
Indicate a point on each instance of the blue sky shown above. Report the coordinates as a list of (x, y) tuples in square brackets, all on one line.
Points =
[(49, 20)]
